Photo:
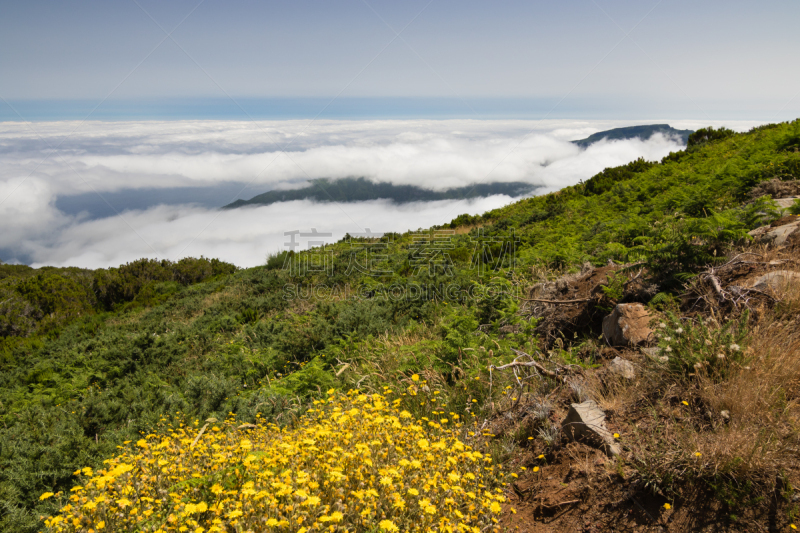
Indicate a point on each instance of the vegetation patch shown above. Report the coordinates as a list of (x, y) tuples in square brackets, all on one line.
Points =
[(353, 462)]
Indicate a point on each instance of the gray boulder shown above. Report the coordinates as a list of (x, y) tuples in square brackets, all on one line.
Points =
[(777, 282), (586, 422), (776, 235), (786, 203), (622, 367), (627, 325)]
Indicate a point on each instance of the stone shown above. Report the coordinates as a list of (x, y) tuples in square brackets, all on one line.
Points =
[(622, 367), (587, 422), (776, 235), (786, 203), (627, 325), (652, 352), (777, 282)]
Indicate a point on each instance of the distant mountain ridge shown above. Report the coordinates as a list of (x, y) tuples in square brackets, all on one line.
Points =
[(361, 189), (635, 132)]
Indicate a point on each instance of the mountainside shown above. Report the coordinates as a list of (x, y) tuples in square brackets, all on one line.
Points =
[(635, 132), (164, 390), (360, 190)]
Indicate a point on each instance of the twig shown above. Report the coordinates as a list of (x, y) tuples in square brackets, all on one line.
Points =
[(634, 278), (581, 300), (715, 283), (560, 504), (531, 363)]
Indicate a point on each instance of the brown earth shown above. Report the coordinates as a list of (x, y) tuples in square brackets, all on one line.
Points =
[(576, 487)]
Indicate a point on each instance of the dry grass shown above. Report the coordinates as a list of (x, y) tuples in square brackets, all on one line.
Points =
[(742, 430), (462, 230), (760, 438)]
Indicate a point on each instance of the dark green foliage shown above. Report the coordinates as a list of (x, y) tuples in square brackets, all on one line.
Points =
[(43, 299), (119, 285), (759, 213), (685, 246), (603, 181), (278, 260), (464, 220), (791, 140), (709, 134), (15, 271), (458, 334)]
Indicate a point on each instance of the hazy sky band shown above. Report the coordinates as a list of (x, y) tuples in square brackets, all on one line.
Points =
[(383, 108)]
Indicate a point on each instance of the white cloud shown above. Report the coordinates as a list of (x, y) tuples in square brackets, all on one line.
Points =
[(240, 236), (113, 156)]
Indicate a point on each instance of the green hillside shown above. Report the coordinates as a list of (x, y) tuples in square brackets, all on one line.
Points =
[(89, 359)]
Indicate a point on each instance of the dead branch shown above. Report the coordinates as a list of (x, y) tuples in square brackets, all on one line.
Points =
[(533, 364), (579, 301), (715, 283), (570, 502)]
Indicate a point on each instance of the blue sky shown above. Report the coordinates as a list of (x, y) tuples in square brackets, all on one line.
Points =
[(595, 58)]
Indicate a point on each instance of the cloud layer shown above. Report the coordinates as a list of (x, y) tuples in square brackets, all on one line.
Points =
[(44, 161)]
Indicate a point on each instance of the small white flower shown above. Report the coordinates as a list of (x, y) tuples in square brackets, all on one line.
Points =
[(662, 325), (667, 339), (734, 347), (663, 358), (668, 349), (679, 331), (698, 366), (720, 356), (708, 342)]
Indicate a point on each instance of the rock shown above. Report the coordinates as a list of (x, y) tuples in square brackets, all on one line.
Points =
[(587, 422), (653, 352), (777, 234), (622, 368), (628, 324), (777, 282), (786, 203)]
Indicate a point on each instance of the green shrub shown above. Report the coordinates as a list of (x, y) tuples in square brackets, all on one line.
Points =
[(696, 346), (759, 213), (606, 179), (706, 135), (277, 260)]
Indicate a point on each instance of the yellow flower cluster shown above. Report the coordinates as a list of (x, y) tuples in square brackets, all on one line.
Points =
[(354, 462)]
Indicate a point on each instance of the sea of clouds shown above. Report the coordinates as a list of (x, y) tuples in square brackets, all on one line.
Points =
[(42, 165)]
